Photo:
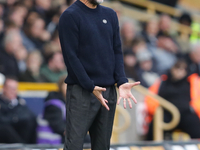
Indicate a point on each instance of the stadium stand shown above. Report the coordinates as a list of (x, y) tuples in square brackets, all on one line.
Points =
[(144, 16), (153, 7)]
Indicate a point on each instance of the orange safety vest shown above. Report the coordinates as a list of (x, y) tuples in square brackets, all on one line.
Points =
[(152, 103)]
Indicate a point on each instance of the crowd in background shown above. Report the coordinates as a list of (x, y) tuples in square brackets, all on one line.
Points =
[(30, 50), (29, 42)]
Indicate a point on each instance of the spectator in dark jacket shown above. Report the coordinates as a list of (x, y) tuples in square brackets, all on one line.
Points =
[(178, 88), (17, 122), (8, 62)]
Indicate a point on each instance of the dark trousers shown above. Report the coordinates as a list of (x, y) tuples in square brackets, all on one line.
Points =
[(189, 123), (85, 113)]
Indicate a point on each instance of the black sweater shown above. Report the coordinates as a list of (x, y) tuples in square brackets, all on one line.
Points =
[(91, 46)]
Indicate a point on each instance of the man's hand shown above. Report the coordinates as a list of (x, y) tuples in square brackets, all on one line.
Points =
[(125, 93), (98, 93)]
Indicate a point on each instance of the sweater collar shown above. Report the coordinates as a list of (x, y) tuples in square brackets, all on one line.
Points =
[(82, 5)]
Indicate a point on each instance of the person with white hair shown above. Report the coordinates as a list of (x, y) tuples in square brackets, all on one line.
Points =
[(8, 62)]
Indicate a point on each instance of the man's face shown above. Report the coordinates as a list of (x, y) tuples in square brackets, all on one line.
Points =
[(57, 62), (178, 73), (96, 2), (10, 89)]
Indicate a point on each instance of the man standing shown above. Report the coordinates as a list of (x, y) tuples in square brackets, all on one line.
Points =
[(91, 46)]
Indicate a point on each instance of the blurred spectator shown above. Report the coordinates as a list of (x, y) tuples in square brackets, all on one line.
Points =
[(130, 63), (8, 62), (52, 26), (128, 33), (165, 23), (1, 26), (55, 40), (2, 10), (145, 70), (23, 10), (49, 48), (165, 54), (21, 55), (35, 35), (185, 19), (138, 44), (184, 43), (2, 30), (8, 26), (150, 31), (31, 17), (193, 58), (54, 69), (165, 42), (17, 122), (27, 3), (54, 116), (54, 113), (179, 89), (43, 7), (2, 79), (10, 3), (33, 63), (17, 14)]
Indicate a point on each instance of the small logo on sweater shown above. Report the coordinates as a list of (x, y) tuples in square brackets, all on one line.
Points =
[(104, 21)]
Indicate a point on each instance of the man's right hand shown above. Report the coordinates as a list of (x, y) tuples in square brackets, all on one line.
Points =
[(98, 93)]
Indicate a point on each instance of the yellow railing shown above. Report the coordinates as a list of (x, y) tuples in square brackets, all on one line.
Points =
[(191, 4), (152, 7), (23, 86)]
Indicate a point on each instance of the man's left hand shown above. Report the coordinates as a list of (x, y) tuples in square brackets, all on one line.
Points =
[(125, 93)]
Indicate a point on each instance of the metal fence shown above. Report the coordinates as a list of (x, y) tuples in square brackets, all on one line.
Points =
[(166, 145)]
